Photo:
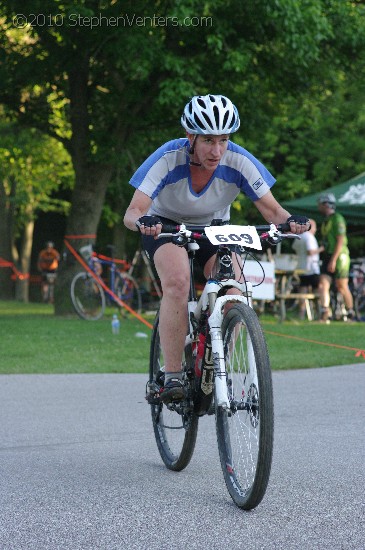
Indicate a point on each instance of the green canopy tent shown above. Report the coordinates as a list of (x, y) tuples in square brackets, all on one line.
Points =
[(350, 201)]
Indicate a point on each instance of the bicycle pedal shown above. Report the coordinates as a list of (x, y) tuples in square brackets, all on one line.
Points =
[(152, 400)]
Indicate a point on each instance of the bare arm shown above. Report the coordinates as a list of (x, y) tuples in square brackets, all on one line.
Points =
[(331, 266), (273, 212), (138, 207), (315, 251), (338, 248)]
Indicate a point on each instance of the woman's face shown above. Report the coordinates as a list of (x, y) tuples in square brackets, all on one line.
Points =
[(209, 149)]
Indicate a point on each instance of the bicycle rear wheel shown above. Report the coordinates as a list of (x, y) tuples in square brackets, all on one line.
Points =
[(175, 425), (245, 432), (127, 290), (87, 296)]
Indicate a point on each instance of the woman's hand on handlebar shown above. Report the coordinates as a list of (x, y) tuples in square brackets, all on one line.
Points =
[(298, 224), (149, 225)]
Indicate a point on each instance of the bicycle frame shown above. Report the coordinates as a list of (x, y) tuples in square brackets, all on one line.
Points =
[(209, 301), (226, 370), (112, 270)]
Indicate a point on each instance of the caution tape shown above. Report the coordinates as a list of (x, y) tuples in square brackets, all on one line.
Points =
[(18, 274), (359, 352)]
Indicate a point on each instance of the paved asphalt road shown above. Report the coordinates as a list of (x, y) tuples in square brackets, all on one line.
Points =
[(80, 469)]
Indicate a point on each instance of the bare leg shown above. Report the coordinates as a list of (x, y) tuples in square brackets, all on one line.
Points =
[(324, 296), (343, 288), (172, 266), (324, 291), (45, 292)]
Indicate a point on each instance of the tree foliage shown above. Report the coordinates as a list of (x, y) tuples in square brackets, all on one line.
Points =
[(108, 79)]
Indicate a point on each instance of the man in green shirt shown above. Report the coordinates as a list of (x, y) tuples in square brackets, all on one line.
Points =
[(336, 256)]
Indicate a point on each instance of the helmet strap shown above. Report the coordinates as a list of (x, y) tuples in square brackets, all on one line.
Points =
[(191, 152)]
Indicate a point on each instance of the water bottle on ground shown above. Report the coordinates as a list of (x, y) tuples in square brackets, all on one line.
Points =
[(115, 324)]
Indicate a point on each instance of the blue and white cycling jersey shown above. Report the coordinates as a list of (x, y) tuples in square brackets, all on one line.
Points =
[(165, 178)]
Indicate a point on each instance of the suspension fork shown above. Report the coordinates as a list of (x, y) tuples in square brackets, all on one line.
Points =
[(215, 329)]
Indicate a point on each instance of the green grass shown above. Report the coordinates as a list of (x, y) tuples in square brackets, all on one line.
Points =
[(34, 340)]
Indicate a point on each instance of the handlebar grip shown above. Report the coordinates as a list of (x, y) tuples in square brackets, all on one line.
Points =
[(170, 228), (284, 227)]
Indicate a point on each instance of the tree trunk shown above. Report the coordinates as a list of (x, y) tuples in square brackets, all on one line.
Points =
[(22, 285), (91, 181), (6, 232), (81, 229)]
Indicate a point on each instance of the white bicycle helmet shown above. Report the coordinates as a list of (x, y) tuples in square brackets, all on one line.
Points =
[(210, 114), (327, 198)]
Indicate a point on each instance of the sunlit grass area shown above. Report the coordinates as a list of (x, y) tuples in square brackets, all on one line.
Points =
[(34, 340)]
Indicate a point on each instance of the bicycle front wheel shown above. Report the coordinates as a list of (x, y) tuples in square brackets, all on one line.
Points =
[(245, 431), (175, 425), (127, 290), (87, 296)]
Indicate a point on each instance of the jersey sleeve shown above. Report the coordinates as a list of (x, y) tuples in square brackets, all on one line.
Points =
[(151, 176)]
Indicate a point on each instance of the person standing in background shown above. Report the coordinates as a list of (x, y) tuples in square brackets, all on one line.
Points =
[(335, 258), (308, 251), (47, 264)]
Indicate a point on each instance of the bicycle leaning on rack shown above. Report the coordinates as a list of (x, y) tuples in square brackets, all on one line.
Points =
[(357, 289), (87, 292), (226, 368)]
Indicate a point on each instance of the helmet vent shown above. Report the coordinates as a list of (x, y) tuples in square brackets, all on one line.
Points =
[(198, 121), (225, 119), (216, 115), (202, 103), (207, 120)]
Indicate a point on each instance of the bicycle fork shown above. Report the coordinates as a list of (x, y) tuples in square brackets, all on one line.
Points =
[(215, 329)]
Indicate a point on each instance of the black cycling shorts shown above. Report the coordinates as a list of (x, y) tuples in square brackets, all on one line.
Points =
[(205, 252)]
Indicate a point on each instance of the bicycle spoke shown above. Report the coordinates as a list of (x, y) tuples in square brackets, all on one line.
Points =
[(245, 432), (175, 425)]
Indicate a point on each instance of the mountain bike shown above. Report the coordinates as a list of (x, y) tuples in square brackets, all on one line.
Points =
[(87, 293), (226, 367), (357, 288)]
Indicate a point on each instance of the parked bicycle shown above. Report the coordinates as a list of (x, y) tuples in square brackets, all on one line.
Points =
[(226, 369), (87, 293), (357, 289)]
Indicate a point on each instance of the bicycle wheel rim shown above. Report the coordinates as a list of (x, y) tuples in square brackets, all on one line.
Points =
[(245, 432), (175, 432), (87, 297)]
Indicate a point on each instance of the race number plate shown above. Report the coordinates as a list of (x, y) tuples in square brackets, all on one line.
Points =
[(243, 235)]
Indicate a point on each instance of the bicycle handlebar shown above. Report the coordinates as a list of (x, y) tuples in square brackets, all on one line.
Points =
[(198, 230)]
